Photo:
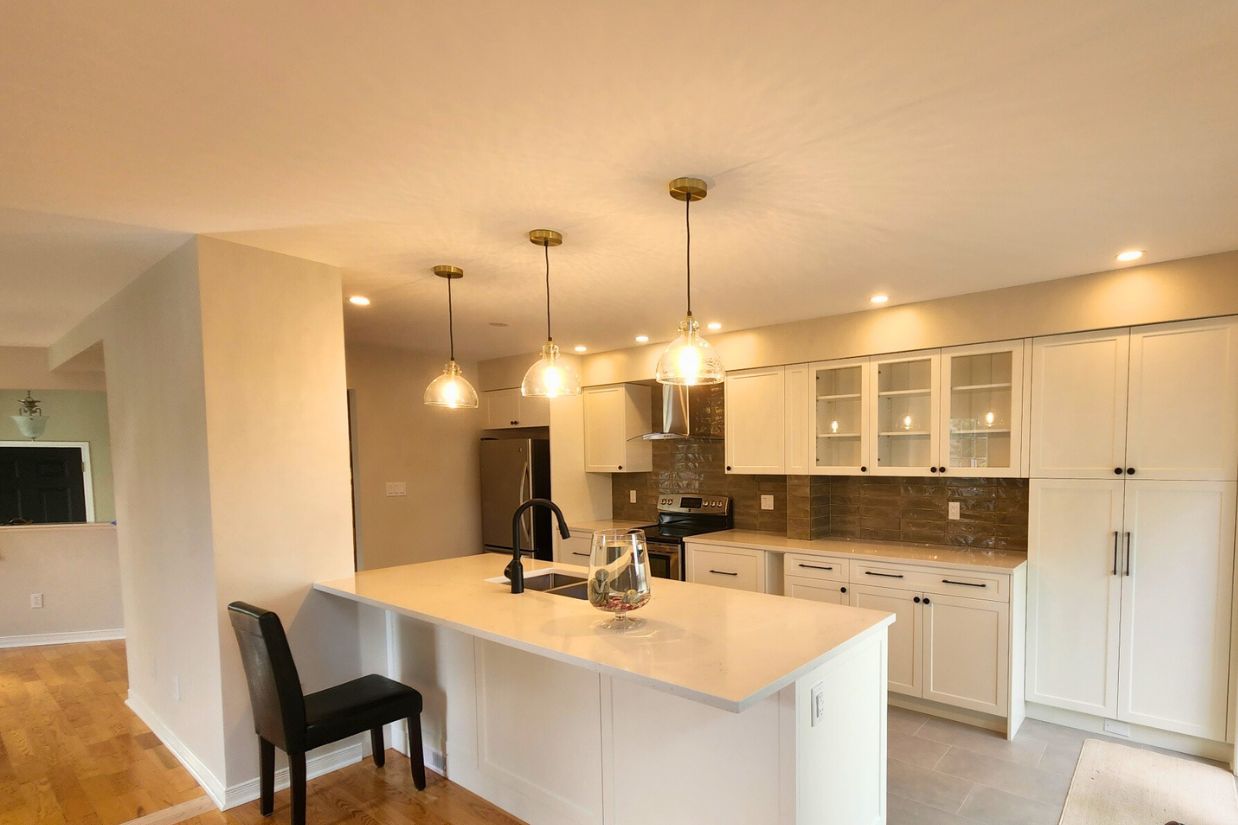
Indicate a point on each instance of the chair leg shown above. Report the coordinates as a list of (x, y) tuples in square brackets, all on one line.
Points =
[(415, 756), (376, 745), (296, 784), (266, 772)]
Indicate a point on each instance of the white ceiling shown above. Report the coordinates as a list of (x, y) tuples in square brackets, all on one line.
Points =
[(926, 149)]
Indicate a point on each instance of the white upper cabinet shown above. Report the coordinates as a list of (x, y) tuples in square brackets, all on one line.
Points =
[(1182, 421), (904, 413), (1079, 405), (838, 426), (982, 410), (507, 408), (797, 408), (615, 417), (755, 422)]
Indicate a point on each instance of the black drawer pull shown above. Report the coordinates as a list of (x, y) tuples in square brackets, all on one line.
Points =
[(724, 572), (815, 567), (884, 575), (576, 553), (965, 584)]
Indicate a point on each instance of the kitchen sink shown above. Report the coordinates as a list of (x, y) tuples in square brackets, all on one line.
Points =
[(554, 582)]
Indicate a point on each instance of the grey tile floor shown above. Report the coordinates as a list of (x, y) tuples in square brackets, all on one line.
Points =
[(947, 773)]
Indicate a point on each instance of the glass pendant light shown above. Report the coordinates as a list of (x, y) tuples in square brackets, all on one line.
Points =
[(550, 376), (451, 389), (689, 360)]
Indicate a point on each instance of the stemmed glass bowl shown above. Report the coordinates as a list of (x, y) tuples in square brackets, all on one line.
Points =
[(619, 575)]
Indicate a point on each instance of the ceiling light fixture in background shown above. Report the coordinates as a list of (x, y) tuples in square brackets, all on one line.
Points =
[(879, 299), (580, 348), (689, 360), (30, 420), (642, 339), (359, 300), (714, 326), (450, 389), (1128, 255), (549, 377)]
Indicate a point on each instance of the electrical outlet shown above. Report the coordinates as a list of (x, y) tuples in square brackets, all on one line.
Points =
[(1117, 728), (176, 688), (397, 488), (816, 702), (36, 600), (952, 511), (767, 502), (631, 496)]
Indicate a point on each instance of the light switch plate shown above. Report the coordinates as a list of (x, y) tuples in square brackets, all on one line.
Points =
[(36, 600), (816, 702), (631, 496), (767, 502), (952, 511), (397, 488)]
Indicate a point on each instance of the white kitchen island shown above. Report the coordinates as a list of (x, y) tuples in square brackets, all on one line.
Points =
[(704, 714)]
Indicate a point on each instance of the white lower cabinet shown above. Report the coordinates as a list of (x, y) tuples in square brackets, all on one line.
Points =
[(574, 550), (906, 641), (1130, 592), (817, 590), (733, 566), (966, 652)]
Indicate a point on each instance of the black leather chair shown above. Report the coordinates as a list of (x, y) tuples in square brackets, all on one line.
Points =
[(294, 722)]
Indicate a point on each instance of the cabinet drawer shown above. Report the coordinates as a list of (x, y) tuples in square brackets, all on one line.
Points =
[(990, 586), (817, 590), (739, 571), (817, 567)]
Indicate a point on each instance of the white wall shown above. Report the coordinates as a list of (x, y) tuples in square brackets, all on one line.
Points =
[(76, 568), (27, 368), (433, 450)]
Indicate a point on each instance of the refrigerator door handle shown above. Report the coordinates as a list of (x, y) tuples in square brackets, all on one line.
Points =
[(526, 519)]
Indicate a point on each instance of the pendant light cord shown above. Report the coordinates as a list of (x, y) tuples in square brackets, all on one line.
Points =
[(546, 249), (451, 322), (687, 217)]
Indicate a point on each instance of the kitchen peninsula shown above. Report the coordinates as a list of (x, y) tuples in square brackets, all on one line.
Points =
[(722, 707)]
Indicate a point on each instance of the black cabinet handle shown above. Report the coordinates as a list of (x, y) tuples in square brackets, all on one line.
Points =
[(578, 553), (926, 600), (620, 466), (932, 469), (815, 567), (964, 584), (884, 575), (1115, 552), (941, 470), (728, 466), (1117, 471), (1128, 553), (724, 572), (842, 590), (916, 600), (1130, 471), (863, 469)]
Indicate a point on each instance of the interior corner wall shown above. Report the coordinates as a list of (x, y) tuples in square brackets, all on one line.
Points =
[(152, 333), (28, 368), (281, 501), (434, 451)]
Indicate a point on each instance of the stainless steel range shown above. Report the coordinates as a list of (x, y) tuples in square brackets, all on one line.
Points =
[(680, 516)]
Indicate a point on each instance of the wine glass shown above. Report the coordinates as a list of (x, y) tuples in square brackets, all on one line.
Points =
[(619, 575)]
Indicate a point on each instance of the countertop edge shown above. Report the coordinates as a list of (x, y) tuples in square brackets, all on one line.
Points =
[(717, 540)]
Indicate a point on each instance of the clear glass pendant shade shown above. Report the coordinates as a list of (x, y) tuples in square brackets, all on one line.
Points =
[(550, 376), (689, 360), (451, 390)]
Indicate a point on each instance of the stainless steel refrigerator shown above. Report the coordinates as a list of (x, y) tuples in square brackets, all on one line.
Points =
[(513, 470)]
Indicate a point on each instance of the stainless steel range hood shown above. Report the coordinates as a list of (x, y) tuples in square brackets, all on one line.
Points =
[(675, 408)]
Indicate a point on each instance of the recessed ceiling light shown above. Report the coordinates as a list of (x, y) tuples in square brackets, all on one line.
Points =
[(359, 300), (580, 348), (1128, 255), (880, 298), (642, 339), (714, 326)]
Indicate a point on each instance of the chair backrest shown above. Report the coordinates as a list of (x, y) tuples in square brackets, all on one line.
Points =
[(274, 686)]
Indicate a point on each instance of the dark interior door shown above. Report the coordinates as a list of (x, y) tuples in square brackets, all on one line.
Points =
[(42, 485)]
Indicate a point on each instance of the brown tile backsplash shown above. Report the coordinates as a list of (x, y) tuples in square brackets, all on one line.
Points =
[(993, 511)]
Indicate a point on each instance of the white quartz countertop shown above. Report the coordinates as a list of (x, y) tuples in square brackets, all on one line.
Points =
[(725, 648), (929, 555), (605, 524)]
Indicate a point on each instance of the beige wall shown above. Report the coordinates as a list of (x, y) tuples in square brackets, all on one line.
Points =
[(27, 368), (77, 569), (73, 415), (226, 396), (433, 450)]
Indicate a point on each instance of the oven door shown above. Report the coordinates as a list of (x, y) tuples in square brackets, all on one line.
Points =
[(665, 560)]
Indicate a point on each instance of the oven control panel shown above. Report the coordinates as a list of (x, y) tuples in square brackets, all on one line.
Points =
[(681, 503)]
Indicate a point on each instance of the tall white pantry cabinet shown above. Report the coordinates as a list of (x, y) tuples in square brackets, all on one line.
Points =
[(1134, 466)]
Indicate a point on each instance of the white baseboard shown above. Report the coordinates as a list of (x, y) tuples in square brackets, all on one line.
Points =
[(210, 783), (316, 765), (65, 638), (1180, 742)]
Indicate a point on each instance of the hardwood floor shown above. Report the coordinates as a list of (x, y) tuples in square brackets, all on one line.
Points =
[(72, 753)]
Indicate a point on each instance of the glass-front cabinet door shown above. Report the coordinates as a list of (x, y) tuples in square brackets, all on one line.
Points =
[(982, 409), (905, 412), (840, 420)]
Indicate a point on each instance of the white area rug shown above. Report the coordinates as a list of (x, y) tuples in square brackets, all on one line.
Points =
[(1119, 785)]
